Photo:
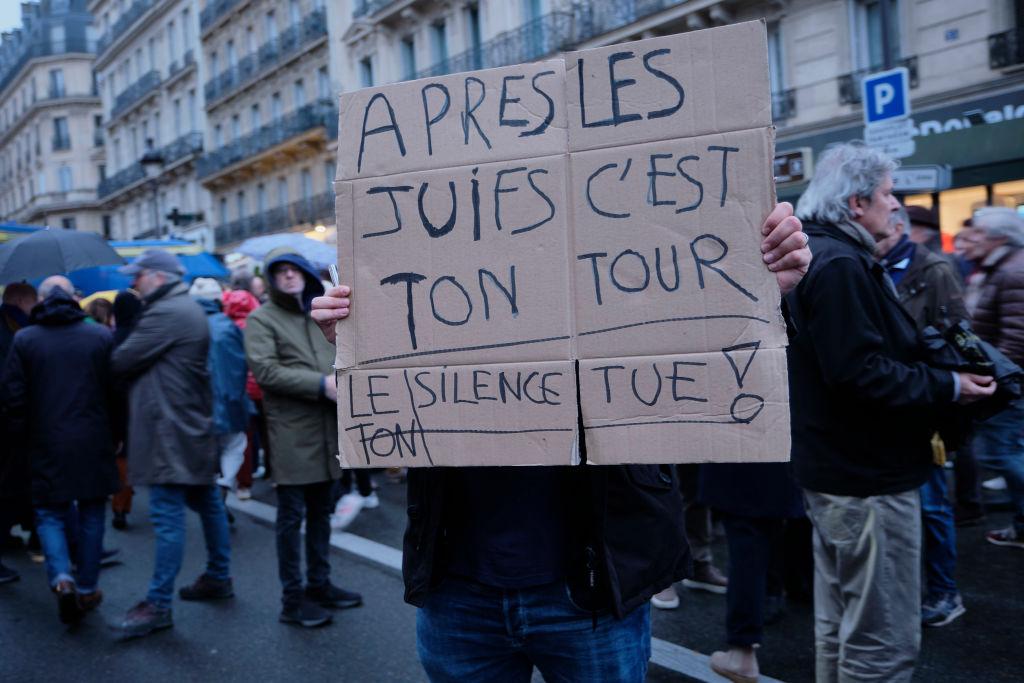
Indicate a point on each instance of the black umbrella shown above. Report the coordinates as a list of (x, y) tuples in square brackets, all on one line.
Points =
[(53, 252)]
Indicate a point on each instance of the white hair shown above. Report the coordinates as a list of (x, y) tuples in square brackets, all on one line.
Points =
[(845, 170), (1001, 221)]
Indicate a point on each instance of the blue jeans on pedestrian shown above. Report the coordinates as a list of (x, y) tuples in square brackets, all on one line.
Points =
[(469, 632), (939, 536), (167, 513), (53, 524), (999, 446)]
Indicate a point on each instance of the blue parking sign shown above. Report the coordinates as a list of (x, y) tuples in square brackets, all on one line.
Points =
[(886, 95)]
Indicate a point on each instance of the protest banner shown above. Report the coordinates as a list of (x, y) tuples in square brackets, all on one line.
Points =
[(563, 258)]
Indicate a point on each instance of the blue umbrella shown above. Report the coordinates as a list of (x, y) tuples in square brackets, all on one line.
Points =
[(106, 278)]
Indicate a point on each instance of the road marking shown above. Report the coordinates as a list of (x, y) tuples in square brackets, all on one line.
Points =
[(663, 653)]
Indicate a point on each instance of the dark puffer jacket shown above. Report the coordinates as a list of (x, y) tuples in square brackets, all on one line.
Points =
[(999, 313)]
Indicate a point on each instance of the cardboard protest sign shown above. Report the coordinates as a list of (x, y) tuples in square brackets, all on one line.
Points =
[(560, 254)]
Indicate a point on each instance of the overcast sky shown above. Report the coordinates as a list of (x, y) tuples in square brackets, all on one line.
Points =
[(10, 14)]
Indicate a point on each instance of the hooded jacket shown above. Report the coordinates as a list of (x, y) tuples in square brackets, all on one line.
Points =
[(289, 357), (238, 304), (170, 407), (228, 371), (57, 389)]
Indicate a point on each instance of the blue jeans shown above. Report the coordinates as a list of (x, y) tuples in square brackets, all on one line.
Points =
[(939, 535), (999, 446), (468, 632), (167, 513), (54, 523)]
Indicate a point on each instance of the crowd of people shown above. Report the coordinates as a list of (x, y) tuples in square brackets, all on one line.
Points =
[(193, 389)]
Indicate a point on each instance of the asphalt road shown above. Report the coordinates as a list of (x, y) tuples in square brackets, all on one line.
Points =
[(241, 639)]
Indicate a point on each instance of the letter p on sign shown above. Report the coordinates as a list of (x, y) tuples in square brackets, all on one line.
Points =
[(886, 96)]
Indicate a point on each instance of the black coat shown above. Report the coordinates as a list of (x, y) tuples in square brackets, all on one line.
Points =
[(751, 489), (57, 391), (626, 536), (862, 401)]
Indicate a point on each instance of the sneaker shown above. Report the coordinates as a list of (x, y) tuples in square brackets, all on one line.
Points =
[(706, 577), (120, 521), (666, 599), (243, 494), (371, 501), (942, 610), (260, 472), (68, 608), (207, 588), (90, 601), (143, 619), (348, 507), (1007, 537), (305, 613), (738, 664), (994, 484), (332, 596), (8, 575)]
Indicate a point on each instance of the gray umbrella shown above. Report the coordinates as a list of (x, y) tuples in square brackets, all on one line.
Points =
[(53, 252)]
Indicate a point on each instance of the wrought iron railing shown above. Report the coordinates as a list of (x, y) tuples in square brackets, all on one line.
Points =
[(364, 8), (213, 11), (602, 16), (189, 143), (120, 180), (783, 105), (269, 56), (135, 92), (302, 212), (176, 67), (320, 113), (123, 23), (1006, 48), (849, 84), (40, 48)]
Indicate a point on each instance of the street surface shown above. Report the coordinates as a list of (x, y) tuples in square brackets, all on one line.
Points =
[(241, 639)]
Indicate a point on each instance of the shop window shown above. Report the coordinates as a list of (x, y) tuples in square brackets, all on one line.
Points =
[(956, 206), (1009, 194)]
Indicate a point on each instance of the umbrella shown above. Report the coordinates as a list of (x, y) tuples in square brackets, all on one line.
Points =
[(105, 278), (109, 295), (52, 252), (319, 254)]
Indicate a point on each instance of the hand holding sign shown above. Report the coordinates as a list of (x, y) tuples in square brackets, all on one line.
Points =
[(331, 308)]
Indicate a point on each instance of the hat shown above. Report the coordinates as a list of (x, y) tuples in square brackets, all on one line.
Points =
[(154, 259), (205, 288), (919, 215)]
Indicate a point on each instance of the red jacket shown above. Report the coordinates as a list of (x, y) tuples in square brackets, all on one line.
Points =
[(238, 304)]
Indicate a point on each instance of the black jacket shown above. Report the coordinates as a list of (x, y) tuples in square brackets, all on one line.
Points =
[(863, 403), (57, 393), (626, 536)]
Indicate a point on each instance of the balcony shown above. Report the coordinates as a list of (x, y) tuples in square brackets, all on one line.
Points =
[(849, 84), (545, 35), (120, 180), (363, 8), (1006, 49), (322, 113), (783, 105), (41, 48), (123, 23), (213, 11), (177, 67), (189, 143), (61, 143), (270, 55), (597, 18), (135, 92), (303, 212)]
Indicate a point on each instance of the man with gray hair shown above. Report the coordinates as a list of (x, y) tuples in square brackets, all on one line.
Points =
[(863, 406), (998, 317), (172, 447)]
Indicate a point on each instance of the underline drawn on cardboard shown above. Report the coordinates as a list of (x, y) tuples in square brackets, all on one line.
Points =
[(562, 259)]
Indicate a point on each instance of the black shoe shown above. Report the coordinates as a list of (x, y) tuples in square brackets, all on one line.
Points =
[(143, 619), (207, 588), (332, 596), (108, 558), (304, 613), (68, 608), (7, 575), (120, 521)]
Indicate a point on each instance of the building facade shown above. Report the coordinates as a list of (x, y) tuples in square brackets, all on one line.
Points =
[(149, 74), (50, 135), (272, 117)]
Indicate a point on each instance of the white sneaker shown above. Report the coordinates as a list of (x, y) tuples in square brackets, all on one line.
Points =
[(348, 507), (996, 484), (666, 599), (243, 494), (371, 501)]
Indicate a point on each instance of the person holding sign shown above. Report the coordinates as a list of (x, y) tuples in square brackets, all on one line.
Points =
[(552, 567), (864, 408)]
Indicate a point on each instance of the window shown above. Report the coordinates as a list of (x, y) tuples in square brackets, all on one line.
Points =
[(68, 223), (282, 191), (366, 72), (475, 40), (177, 117), (108, 229), (323, 84), (250, 40), (240, 205), (236, 127), (307, 184), (41, 182), (192, 124), (330, 170), (64, 176), (101, 171), (294, 14), (873, 31), (408, 58), (261, 199), (275, 107), (117, 154), (61, 137), (172, 42), (214, 64), (152, 53), (299, 90), (440, 42), (56, 83), (186, 30), (270, 27), (254, 118), (218, 136), (97, 130), (138, 63), (223, 211), (232, 57), (156, 127)]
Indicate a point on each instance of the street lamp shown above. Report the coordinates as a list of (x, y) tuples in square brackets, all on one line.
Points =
[(153, 163)]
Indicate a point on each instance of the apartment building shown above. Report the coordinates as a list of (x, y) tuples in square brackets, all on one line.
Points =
[(272, 117), (149, 76), (50, 135), (965, 61)]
